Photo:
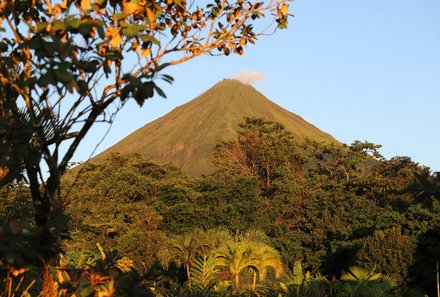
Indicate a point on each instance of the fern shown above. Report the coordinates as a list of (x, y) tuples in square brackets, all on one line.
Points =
[(203, 273)]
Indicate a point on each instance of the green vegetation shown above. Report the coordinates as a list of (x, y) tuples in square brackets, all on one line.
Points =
[(279, 216)]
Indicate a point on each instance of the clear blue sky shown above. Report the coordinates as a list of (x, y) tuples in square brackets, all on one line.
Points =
[(359, 70)]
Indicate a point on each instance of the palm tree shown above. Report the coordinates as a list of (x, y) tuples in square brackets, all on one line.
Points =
[(268, 257), (184, 250), (238, 256), (361, 275), (367, 282)]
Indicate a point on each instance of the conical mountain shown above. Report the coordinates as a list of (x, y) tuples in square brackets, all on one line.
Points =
[(187, 135)]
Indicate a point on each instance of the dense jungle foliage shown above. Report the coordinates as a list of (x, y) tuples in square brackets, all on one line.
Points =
[(278, 217)]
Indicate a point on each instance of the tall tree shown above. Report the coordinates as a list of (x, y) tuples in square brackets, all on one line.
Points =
[(113, 204), (264, 149), (390, 250)]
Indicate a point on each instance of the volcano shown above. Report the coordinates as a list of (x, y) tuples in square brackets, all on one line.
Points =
[(187, 135)]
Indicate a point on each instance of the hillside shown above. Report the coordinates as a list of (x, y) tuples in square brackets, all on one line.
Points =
[(188, 134)]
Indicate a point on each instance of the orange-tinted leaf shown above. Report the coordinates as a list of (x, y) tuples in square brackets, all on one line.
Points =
[(3, 173), (237, 14), (145, 52), (116, 40), (150, 14), (115, 37), (284, 9), (85, 4), (62, 276), (17, 271), (131, 7), (64, 4), (57, 9), (111, 31)]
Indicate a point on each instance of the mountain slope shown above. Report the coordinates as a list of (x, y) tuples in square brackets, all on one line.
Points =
[(188, 134)]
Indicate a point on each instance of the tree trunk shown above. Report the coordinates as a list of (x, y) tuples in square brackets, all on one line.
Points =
[(42, 207), (254, 280), (40, 201), (237, 283), (188, 274)]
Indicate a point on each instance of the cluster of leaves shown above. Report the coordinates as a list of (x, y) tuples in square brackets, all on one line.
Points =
[(357, 282), (96, 281), (106, 275), (124, 209)]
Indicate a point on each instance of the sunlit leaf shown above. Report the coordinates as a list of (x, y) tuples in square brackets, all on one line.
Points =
[(85, 4), (145, 52), (116, 40), (3, 172), (284, 9)]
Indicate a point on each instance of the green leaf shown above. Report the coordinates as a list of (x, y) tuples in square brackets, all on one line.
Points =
[(150, 38), (148, 89), (119, 16), (135, 82), (50, 47), (91, 66), (41, 27), (86, 292), (100, 2), (3, 47), (107, 68), (40, 53), (74, 23), (168, 78), (6, 61), (160, 92), (163, 66), (47, 79), (83, 87), (34, 43), (63, 76), (85, 28), (100, 30), (130, 31), (59, 25)]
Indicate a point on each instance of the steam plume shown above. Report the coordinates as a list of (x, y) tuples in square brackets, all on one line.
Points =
[(248, 77)]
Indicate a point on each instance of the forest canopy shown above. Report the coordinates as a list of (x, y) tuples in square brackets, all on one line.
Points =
[(321, 207)]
